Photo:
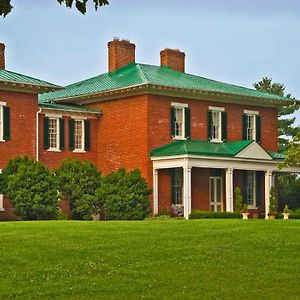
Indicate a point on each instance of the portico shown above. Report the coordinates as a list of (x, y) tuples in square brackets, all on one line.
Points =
[(245, 156)]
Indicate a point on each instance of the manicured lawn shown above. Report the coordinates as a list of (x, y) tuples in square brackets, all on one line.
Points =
[(174, 259)]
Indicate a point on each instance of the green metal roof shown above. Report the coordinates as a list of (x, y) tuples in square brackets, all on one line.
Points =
[(276, 155), (69, 107), (139, 74), (200, 147), (9, 76)]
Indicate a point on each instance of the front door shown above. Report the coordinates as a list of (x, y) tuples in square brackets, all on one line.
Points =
[(216, 192)]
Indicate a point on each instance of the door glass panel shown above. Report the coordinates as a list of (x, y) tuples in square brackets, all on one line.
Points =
[(216, 194)]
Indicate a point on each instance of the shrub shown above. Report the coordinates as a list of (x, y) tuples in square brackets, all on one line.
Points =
[(238, 199), (199, 214), (125, 195), (31, 188), (272, 209), (295, 214), (80, 181)]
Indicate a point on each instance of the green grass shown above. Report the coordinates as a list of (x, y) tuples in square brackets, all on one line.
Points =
[(174, 259)]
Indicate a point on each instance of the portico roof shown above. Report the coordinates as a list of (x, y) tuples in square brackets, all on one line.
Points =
[(238, 149)]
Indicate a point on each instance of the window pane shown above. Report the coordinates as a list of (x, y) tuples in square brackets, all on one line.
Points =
[(179, 121), (216, 125), (177, 187), (78, 132), (53, 133)]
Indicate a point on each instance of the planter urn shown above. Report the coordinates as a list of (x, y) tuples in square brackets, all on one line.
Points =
[(245, 215), (286, 215)]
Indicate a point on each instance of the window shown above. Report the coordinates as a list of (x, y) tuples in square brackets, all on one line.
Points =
[(78, 135), (217, 124), (180, 121), (251, 189), (53, 134), (4, 122), (251, 126), (177, 186), (251, 134)]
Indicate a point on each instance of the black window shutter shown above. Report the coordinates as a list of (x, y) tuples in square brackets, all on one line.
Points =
[(187, 112), (224, 126), (172, 121), (244, 124), (71, 134), (258, 129), (61, 134), (46, 132), (209, 124), (245, 181), (87, 135), (258, 188), (6, 123)]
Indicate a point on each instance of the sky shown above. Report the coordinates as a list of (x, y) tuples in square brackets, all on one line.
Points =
[(234, 41)]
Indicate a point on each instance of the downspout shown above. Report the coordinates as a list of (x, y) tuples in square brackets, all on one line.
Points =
[(37, 135)]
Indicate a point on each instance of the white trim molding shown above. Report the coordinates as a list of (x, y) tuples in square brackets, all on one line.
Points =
[(216, 108), (251, 112), (179, 105)]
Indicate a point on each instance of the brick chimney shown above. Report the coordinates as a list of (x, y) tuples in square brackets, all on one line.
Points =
[(2, 56), (172, 58), (120, 54)]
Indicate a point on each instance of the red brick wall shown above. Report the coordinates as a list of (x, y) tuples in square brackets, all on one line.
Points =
[(122, 135), (164, 189), (200, 188), (53, 159), (23, 108), (7, 214)]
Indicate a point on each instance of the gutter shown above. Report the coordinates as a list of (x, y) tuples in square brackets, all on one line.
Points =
[(37, 135)]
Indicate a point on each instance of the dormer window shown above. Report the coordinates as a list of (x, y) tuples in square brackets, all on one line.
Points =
[(180, 121), (217, 124), (251, 125)]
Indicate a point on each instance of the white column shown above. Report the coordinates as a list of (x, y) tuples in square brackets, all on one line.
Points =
[(187, 188), (229, 189), (268, 184), (155, 191)]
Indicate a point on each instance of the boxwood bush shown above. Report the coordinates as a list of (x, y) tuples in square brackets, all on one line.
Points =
[(200, 214)]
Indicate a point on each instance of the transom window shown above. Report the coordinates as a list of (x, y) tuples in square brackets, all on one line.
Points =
[(179, 122), (251, 189), (79, 134), (251, 127), (216, 126), (53, 134), (177, 186)]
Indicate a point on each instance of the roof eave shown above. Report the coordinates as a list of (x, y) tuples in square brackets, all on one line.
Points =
[(27, 87), (147, 88)]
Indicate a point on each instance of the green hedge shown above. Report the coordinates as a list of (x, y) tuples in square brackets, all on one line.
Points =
[(199, 214), (295, 214)]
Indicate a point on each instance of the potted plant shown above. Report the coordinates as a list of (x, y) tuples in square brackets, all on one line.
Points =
[(245, 212), (286, 212), (272, 210)]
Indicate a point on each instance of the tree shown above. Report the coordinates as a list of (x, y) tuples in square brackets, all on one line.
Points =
[(286, 132), (124, 195), (286, 128), (6, 7), (238, 199), (80, 181), (31, 188), (292, 155)]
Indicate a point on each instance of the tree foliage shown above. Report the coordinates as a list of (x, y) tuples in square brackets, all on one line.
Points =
[(125, 195), (31, 188), (6, 6), (80, 181), (286, 128)]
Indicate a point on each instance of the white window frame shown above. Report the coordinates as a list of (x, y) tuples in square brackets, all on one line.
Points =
[(2, 121), (57, 148), (182, 107), (253, 129), (253, 205), (178, 187), (81, 149), (219, 138)]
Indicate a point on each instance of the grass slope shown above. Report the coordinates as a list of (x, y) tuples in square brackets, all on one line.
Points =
[(175, 259)]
